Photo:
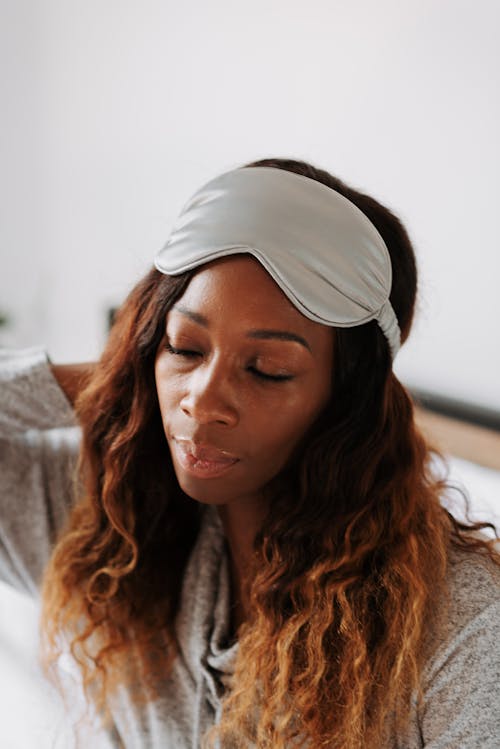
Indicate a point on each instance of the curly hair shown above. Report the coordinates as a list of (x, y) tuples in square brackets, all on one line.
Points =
[(349, 563)]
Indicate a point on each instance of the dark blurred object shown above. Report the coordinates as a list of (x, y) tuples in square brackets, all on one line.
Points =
[(111, 316), (488, 418)]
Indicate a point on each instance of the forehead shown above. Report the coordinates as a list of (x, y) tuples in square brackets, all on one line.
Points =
[(239, 288)]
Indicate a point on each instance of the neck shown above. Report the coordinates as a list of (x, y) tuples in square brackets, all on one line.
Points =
[(241, 521)]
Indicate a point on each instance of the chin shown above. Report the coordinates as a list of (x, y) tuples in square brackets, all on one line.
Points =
[(206, 492), (205, 498)]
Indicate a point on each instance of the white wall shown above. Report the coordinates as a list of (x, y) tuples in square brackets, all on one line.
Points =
[(114, 111)]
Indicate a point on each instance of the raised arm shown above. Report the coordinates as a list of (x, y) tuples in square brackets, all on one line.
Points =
[(39, 443)]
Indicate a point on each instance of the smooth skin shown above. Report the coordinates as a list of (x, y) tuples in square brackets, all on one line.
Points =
[(240, 371)]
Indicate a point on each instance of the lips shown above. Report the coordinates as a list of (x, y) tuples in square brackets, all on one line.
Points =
[(206, 452), (202, 461)]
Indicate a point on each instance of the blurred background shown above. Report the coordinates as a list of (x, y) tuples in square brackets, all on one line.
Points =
[(115, 111)]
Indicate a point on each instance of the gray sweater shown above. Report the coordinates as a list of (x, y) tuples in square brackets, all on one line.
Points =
[(39, 441)]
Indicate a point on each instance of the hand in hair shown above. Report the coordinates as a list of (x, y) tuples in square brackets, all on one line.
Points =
[(72, 378)]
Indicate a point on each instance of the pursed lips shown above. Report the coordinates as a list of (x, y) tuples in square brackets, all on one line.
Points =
[(205, 452)]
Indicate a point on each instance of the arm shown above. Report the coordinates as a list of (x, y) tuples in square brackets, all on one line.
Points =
[(30, 395), (39, 443)]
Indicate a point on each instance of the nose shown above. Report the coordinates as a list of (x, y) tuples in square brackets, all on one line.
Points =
[(210, 397)]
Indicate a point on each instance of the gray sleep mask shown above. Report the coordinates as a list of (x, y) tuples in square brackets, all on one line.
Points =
[(322, 251)]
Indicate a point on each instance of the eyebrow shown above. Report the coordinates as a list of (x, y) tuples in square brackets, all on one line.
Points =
[(262, 334)]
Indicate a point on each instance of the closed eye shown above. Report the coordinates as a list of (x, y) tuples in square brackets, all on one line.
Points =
[(180, 351), (257, 372), (264, 376)]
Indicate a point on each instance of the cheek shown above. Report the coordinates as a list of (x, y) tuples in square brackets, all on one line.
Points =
[(305, 415), (277, 431), (168, 403), (167, 388), (298, 411)]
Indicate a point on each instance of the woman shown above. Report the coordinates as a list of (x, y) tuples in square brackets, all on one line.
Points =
[(257, 554)]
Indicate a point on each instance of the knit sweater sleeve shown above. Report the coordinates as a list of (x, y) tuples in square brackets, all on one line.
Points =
[(39, 441)]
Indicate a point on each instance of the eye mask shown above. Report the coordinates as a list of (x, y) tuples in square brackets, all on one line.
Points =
[(322, 251)]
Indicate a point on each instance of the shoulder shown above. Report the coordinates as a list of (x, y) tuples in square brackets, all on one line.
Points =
[(472, 587), (460, 699), (467, 616)]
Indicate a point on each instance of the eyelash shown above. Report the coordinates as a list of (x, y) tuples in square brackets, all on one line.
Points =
[(261, 375)]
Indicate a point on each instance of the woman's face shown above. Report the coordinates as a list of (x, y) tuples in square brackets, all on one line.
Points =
[(241, 375)]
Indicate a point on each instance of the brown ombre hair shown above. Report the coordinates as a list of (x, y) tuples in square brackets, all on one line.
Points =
[(350, 562)]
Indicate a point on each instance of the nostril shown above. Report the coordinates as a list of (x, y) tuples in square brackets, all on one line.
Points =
[(206, 409)]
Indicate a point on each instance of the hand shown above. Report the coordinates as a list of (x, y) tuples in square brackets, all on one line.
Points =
[(72, 378)]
